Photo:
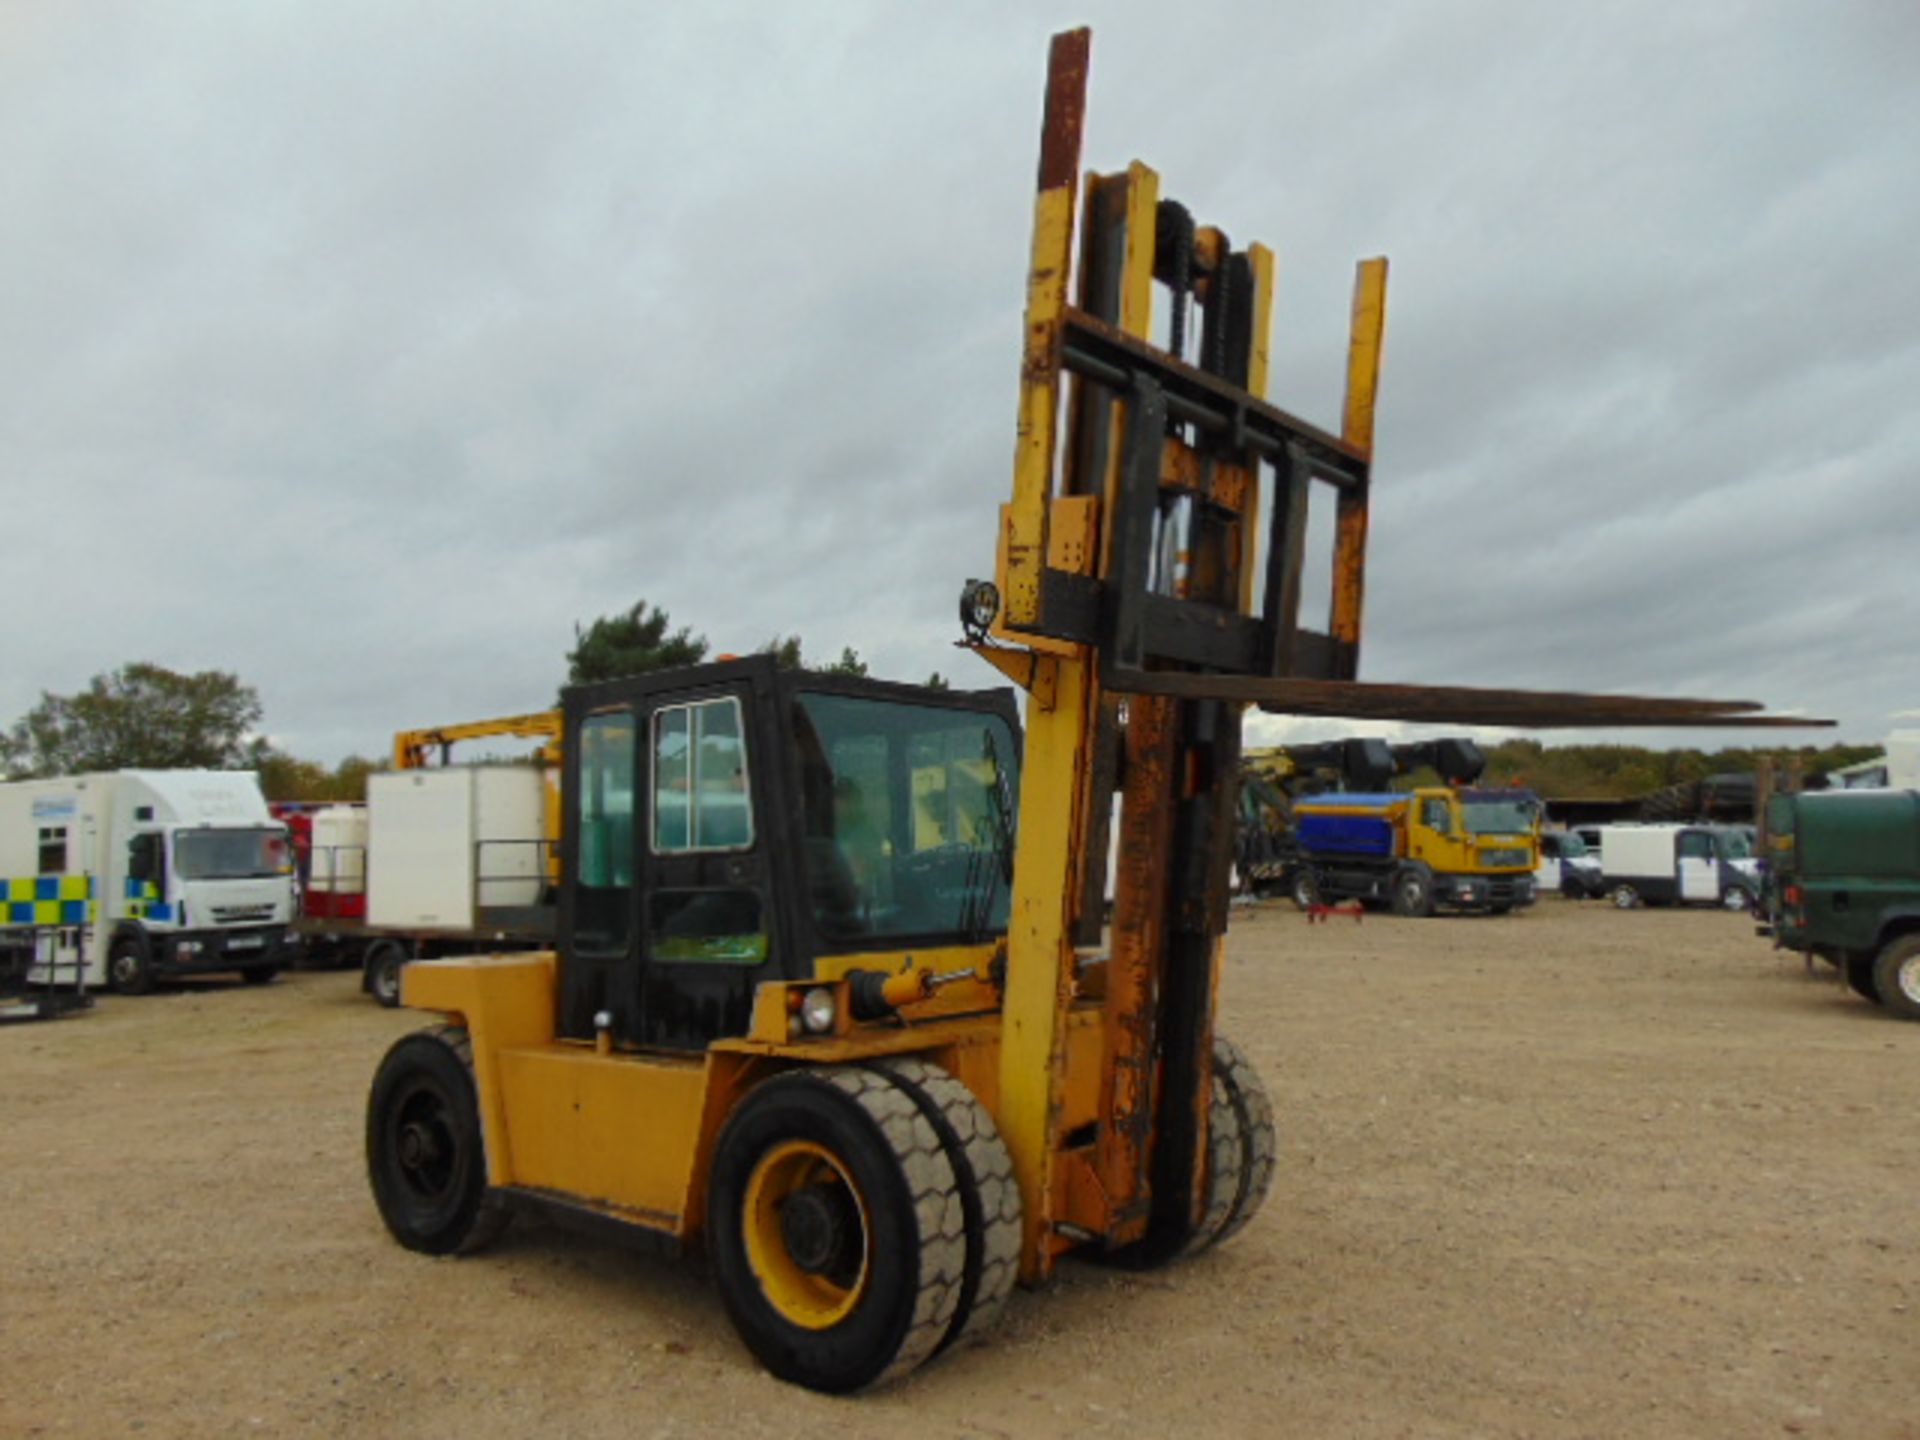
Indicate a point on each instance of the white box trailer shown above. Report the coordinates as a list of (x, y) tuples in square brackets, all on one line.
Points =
[(456, 859), (447, 846), (1677, 864), (148, 873)]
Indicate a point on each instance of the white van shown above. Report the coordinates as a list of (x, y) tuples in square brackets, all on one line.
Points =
[(147, 873), (1567, 867), (1677, 864)]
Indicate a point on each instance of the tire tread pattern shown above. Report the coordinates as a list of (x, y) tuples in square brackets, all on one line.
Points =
[(939, 1214), (493, 1214), (983, 1164), (1254, 1111)]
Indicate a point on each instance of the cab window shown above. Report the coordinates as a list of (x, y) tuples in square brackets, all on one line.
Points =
[(700, 779), (602, 904)]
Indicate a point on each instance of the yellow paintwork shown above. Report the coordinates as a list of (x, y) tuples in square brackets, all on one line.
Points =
[(1024, 539), (1040, 956), (617, 1131), (811, 1301), (1363, 380)]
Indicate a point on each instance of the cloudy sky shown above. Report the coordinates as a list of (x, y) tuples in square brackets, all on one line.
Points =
[(364, 349)]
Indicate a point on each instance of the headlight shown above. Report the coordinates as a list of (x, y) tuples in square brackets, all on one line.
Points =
[(979, 607), (816, 1011)]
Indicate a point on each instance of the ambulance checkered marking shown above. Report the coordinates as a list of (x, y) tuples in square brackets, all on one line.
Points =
[(48, 900), (144, 903)]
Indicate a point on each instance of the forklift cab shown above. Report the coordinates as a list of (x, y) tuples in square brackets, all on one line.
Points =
[(734, 823)]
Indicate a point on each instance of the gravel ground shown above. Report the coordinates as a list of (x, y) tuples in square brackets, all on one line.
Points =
[(1572, 1172)]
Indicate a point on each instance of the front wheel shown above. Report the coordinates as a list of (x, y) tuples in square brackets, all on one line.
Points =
[(1736, 898), (1306, 893), (837, 1229), (1896, 974), (129, 966), (1412, 896), (260, 974), (426, 1157)]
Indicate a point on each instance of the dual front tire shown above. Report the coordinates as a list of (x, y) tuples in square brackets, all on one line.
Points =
[(861, 1220)]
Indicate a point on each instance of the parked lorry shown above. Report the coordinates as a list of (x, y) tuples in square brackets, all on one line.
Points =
[(1659, 864), (1421, 850), (1843, 884), (440, 861), (188, 873), (1318, 823)]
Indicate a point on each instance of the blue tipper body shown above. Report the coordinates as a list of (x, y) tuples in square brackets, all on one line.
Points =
[(1346, 833)]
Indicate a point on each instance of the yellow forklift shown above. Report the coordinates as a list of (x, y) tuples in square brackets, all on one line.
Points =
[(835, 997)]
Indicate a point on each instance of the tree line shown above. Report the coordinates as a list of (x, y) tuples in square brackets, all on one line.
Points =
[(144, 716)]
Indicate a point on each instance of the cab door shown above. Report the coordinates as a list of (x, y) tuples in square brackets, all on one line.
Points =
[(706, 914), (1699, 865), (667, 926)]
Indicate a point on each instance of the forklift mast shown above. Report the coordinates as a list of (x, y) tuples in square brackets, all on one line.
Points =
[(1159, 549)]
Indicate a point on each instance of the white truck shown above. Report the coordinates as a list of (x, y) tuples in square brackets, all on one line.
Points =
[(440, 861), (148, 873), (1678, 864)]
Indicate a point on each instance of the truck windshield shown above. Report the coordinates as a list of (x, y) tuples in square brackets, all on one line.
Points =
[(1498, 817), (1572, 847), (229, 854), (1734, 845), (908, 813)]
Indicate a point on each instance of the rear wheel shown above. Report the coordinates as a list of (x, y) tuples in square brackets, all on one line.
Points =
[(260, 974), (837, 1228), (1306, 893), (425, 1155), (1896, 974), (385, 961), (1624, 897)]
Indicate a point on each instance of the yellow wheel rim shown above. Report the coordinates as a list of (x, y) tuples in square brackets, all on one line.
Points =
[(810, 1289)]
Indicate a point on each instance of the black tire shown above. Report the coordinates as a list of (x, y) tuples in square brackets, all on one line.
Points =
[(1254, 1112), (1225, 1168), (1500, 909), (989, 1193), (1305, 890), (1624, 897), (1413, 895), (862, 1282), (260, 974), (1896, 975), (130, 966), (385, 960), (1738, 899), (426, 1158), (1859, 971)]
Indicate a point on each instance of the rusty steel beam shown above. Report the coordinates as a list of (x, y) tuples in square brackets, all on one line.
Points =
[(1452, 704)]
